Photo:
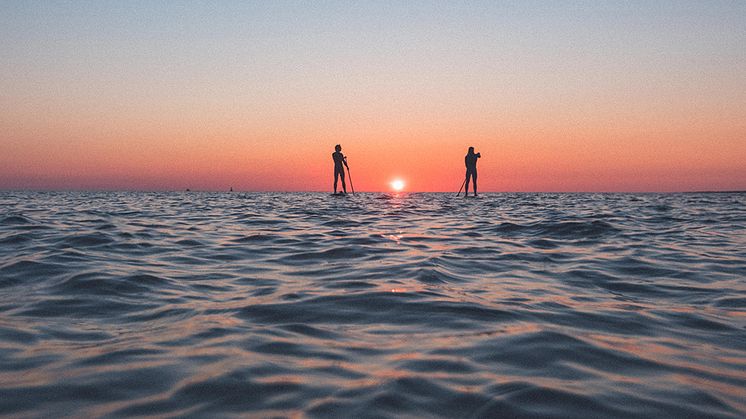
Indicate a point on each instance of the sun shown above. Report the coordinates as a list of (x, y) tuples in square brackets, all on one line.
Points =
[(397, 185)]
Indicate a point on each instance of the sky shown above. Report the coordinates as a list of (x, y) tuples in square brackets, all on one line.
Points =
[(556, 95)]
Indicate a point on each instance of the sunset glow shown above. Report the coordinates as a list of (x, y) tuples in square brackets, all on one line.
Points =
[(397, 185), (254, 95)]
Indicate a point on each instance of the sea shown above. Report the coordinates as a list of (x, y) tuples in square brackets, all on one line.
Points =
[(202, 304)]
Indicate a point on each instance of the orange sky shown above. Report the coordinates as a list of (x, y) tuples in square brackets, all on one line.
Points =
[(552, 104)]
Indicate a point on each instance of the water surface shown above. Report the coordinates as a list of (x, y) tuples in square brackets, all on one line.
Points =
[(261, 304)]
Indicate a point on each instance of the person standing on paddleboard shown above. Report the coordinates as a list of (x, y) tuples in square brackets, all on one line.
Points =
[(340, 162), (471, 169)]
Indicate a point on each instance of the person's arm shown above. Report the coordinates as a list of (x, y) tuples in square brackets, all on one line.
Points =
[(479, 155), (344, 160)]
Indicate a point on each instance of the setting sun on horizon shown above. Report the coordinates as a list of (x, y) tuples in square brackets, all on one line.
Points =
[(570, 96)]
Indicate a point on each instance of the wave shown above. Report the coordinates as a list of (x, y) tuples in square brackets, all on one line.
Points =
[(86, 240), (98, 283), (572, 230), (378, 305), (11, 220)]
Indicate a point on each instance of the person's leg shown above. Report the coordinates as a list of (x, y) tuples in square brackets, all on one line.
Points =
[(474, 179), (344, 185), (466, 184), (336, 177)]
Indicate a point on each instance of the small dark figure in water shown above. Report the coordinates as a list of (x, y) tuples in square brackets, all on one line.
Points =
[(471, 170), (340, 162)]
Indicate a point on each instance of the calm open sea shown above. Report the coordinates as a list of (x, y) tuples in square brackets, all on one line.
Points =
[(304, 304)]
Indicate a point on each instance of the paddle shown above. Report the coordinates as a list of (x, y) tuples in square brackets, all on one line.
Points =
[(349, 174), (462, 187)]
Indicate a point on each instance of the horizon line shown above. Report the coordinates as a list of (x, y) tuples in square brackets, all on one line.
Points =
[(187, 190)]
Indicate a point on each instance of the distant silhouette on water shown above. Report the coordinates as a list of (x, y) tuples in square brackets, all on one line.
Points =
[(340, 162), (471, 170)]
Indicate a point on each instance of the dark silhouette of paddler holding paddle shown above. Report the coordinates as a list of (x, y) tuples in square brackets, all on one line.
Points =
[(340, 162), (470, 160)]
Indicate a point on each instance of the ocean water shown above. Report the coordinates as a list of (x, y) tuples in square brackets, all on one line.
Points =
[(378, 305)]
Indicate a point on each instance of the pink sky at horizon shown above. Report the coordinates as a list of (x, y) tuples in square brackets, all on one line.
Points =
[(254, 97)]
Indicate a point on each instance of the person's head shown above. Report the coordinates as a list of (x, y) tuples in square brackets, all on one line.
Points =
[(471, 150), (337, 147)]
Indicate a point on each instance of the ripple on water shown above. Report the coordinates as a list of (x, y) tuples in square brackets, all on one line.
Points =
[(378, 305)]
